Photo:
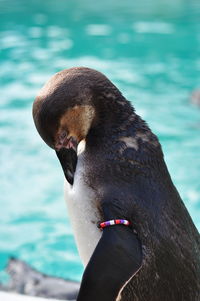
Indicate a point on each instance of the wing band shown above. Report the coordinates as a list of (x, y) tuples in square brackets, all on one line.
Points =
[(113, 222)]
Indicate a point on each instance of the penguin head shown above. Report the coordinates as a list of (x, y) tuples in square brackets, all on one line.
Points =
[(64, 112)]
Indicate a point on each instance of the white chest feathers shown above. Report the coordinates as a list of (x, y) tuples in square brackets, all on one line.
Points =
[(83, 213)]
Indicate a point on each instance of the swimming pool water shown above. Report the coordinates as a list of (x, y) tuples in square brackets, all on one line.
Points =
[(150, 50)]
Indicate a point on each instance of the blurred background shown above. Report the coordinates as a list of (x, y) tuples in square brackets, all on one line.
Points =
[(149, 49)]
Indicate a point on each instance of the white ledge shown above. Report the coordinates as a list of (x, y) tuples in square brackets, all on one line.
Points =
[(17, 297)]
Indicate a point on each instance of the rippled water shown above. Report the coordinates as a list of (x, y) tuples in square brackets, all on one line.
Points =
[(151, 51)]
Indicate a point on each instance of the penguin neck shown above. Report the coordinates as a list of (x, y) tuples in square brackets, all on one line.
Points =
[(121, 128), (113, 114)]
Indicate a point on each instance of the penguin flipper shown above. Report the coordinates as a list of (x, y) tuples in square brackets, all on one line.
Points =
[(116, 258)]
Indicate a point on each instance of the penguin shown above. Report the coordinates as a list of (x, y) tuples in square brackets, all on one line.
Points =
[(114, 169), (28, 281)]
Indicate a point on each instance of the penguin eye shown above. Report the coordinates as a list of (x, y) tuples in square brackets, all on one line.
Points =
[(63, 134)]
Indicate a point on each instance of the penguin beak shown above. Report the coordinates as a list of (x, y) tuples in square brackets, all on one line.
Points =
[(67, 156)]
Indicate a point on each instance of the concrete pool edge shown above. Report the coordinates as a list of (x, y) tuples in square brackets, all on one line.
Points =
[(6, 296)]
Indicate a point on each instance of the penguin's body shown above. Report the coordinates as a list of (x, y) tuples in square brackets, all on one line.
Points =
[(120, 174)]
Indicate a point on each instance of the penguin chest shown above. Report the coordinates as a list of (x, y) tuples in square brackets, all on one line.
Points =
[(83, 213)]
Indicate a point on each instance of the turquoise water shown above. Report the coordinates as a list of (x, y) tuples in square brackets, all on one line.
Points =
[(150, 50)]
